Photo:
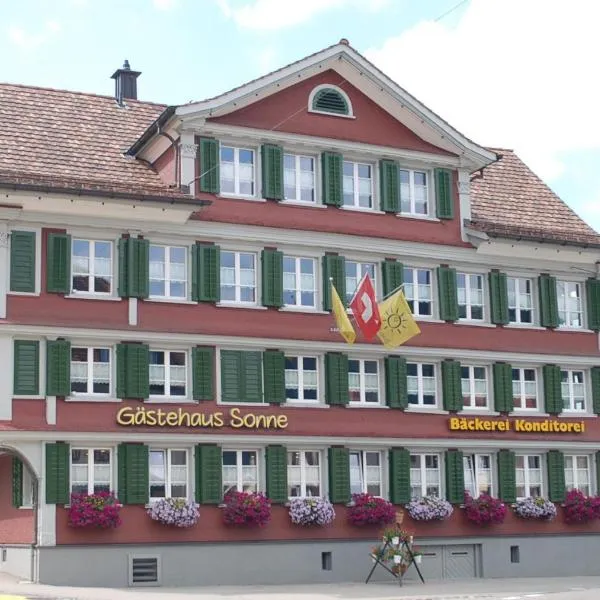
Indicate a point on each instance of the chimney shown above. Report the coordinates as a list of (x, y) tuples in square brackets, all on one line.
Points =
[(125, 83)]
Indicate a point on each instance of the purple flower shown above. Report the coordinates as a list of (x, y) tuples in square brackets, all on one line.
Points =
[(535, 508), (311, 511), (174, 511), (429, 508)]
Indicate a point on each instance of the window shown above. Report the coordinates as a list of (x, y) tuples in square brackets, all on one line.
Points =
[(525, 389), (520, 300), (237, 171), (168, 271), (299, 178), (304, 473), (573, 390), (425, 477), (90, 371), (418, 291), (90, 470), (570, 304), (168, 474), (329, 99), (238, 277), (168, 375), (529, 475), (301, 378), (299, 281), (28, 488), (240, 471), (91, 267), (577, 473), (366, 473), (358, 185), (355, 271), (474, 387), (478, 474), (363, 381), (470, 296), (414, 192), (421, 385)]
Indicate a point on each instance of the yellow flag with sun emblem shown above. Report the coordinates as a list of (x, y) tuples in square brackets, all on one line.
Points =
[(397, 322)]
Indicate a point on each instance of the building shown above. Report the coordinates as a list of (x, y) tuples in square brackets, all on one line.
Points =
[(167, 262)]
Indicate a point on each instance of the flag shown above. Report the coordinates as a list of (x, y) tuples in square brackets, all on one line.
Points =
[(341, 318), (365, 309), (397, 322)]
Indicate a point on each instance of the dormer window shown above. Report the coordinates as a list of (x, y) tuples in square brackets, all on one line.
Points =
[(331, 100)]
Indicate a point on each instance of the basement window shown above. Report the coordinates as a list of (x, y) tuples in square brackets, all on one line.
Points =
[(331, 100)]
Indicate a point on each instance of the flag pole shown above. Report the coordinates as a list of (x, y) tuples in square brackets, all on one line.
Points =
[(393, 292)]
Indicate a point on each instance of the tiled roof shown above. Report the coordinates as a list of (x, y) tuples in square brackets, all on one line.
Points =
[(509, 200)]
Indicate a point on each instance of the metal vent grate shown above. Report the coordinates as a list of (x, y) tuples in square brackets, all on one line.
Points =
[(330, 101), (144, 570)]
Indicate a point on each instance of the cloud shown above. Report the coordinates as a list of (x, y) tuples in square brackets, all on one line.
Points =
[(270, 15), (26, 40), (509, 73), (164, 4)]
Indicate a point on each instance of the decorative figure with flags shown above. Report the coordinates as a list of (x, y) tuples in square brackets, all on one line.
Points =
[(391, 320)]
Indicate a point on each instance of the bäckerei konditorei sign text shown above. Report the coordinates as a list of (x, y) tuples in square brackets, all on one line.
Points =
[(517, 425)]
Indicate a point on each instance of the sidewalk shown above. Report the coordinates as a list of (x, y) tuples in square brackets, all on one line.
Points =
[(514, 589)]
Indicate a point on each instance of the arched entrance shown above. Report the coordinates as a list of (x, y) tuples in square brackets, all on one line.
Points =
[(18, 514)]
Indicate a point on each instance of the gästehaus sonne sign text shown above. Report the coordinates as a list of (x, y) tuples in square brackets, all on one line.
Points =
[(517, 425)]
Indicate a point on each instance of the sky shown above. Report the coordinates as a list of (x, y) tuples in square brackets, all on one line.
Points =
[(518, 74)]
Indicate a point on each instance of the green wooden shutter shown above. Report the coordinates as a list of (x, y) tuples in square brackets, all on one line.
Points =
[(392, 275), (274, 376), (208, 474), (498, 298), (548, 301), (276, 468), (455, 477), (332, 165), (272, 277), (507, 476), (58, 368), (203, 372), (253, 376), (133, 371), (503, 392), (448, 293), (206, 273), (17, 482), (57, 473), (552, 389), (22, 261), (209, 165), (134, 266), (595, 375), (123, 275), (399, 475), (26, 368), (241, 376), (592, 289), (133, 473), (336, 379), (451, 385), (396, 394), (443, 191), (334, 267), (272, 171), (556, 476), (339, 475), (58, 263), (389, 186)]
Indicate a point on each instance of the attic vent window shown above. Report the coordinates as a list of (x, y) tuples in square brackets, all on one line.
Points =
[(331, 100)]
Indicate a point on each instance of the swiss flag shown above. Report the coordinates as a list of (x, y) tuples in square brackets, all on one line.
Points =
[(364, 308)]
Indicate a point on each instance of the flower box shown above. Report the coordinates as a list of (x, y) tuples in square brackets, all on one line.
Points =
[(311, 511), (370, 510), (535, 508), (100, 510), (579, 508), (429, 508), (177, 512), (484, 510), (246, 509)]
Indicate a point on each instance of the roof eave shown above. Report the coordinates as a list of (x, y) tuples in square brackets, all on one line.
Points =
[(152, 131)]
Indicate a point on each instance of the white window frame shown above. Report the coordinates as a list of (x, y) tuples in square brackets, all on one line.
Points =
[(571, 398), (167, 367), (362, 467), (362, 379), (468, 304), (360, 274), (28, 488), (527, 483), (236, 170), (476, 472), (301, 398), (420, 386), (298, 280), (340, 91), (91, 275), (238, 285), (472, 392), (90, 467), (520, 283), (411, 186), (239, 467), (356, 188), (90, 371), (575, 472), (416, 299), (522, 394), (423, 473), (167, 279), (168, 475), (303, 466), (570, 316), (297, 174)]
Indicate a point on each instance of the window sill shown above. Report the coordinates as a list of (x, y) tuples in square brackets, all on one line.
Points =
[(94, 297), (301, 204), (565, 414), (479, 412), (28, 507), (96, 399), (240, 197), (169, 400), (475, 323), (363, 405), (329, 114), (528, 413), (434, 410), (418, 217), (239, 305), (242, 404), (574, 329), (293, 404), (360, 209), (303, 310), (28, 397), (524, 326), (170, 300), (22, 293)]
